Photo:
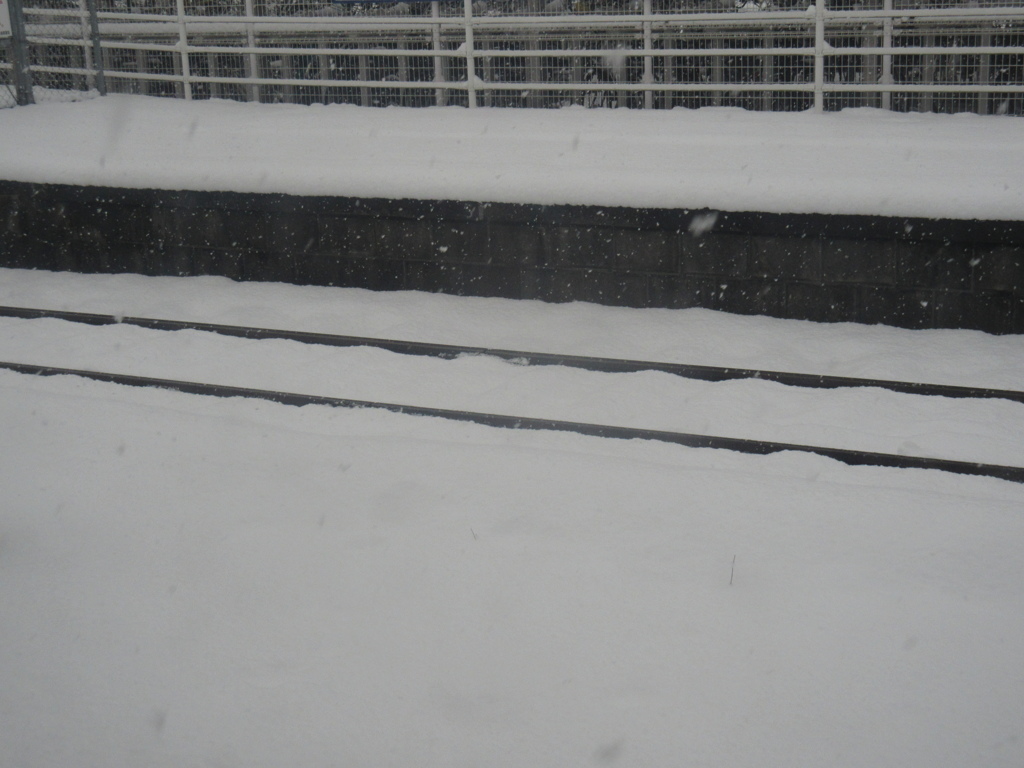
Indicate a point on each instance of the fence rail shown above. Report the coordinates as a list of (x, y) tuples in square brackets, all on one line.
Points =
[(759, 54)]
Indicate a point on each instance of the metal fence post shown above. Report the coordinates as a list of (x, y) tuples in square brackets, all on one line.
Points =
[(887, 57), (648, 76), (984, 73), (251, 62), (819, 56), (440, 95), (186, 70), (470, 61), (19, 54), (97, 49)]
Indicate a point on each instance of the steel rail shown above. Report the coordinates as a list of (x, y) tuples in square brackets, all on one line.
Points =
[(450, 351), (742, 445)]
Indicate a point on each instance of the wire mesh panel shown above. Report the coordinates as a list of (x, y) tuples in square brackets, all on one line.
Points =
[(937, 67), (853, 66), (140, 45), (777, 55), (766, 68), (333, 71), (1004, 69), (557, 68), (60, 50), (921, 56), (8, 94), (281, 52)]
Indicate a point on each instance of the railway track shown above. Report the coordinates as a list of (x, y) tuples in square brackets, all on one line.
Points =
[(449, 351), (614, 365)]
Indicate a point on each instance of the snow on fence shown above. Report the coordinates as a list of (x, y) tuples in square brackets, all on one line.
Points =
[(938, 55)]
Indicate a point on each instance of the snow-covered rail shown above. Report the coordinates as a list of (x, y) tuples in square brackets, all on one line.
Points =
[(588, 363), (288, 396), (742, 445)]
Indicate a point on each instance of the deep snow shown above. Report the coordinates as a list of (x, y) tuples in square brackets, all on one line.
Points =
[(868, 419), (187, 581), (855, 162), (193, 581)]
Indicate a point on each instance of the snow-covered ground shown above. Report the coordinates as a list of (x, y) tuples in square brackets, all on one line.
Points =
[(193, 581), (188, 581), (856, 162), (868, 419)]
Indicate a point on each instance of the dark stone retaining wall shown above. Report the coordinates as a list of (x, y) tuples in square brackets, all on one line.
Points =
[(914, 273)]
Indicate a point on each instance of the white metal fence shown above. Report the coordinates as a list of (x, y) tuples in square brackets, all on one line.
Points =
[(936, 55)]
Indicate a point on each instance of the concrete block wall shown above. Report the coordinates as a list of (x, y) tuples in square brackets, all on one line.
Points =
[(897, 271)]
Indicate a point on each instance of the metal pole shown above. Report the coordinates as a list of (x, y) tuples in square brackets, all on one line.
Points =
[(186, 71), (648, 76), (97, 49), (767, 70), (323, 64), (533, 64), (819, 56), (252, 64), (927, 74), (470, 61), (87, 51), (984, 67), (440, 95), (887, 58), (19, 53)]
